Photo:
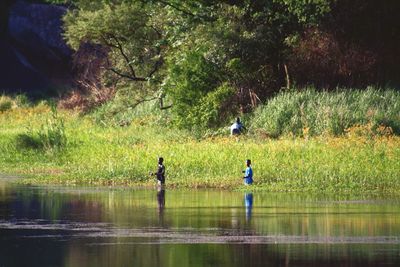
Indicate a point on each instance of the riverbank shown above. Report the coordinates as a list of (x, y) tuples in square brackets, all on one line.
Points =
[(95, 155)]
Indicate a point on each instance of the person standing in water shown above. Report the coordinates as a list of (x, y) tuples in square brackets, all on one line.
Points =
[(248, 173), (160, 174)]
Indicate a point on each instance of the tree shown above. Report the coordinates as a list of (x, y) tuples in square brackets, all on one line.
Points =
[(133, 37), (245, 45), (195, 50)]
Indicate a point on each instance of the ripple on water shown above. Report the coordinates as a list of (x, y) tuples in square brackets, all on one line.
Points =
[(46, 229)]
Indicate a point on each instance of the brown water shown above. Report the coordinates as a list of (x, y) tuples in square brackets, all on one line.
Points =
[(72, 226)]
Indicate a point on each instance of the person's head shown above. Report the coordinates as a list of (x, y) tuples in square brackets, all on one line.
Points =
[(160, 160), (248, 162), (238, 120)]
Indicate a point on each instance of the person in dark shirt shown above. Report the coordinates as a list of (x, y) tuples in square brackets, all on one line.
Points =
[(160, 174)]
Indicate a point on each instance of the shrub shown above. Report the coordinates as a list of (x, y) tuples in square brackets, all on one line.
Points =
[(50, 136), (212, 109), (22, 101), (190, 80), (5, 103)]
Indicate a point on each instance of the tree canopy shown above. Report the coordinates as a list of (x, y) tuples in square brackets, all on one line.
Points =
[(214, 59)]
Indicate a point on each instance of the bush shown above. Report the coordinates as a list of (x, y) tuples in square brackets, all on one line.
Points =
[(5, 103), (50, 136), (296, 112), (212, 109), (196, 91), (22, 101)]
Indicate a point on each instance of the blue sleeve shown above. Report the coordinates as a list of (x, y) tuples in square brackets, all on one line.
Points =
[(248, 173)]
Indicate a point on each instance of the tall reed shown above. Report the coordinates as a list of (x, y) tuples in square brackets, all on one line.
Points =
[(293, 112)]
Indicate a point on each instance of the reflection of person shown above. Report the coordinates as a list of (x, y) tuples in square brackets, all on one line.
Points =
[(160, 200), (237, 127), (248, 203), (160, 172), (248, 173)]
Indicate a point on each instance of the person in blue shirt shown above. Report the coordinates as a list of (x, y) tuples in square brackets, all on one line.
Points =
[(248, 173)]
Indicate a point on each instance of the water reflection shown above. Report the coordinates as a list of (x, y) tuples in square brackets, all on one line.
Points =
[(248, 203), (91, 227), (161, 204)]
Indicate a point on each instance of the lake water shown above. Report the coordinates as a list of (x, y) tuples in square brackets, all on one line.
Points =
[(75, 226)]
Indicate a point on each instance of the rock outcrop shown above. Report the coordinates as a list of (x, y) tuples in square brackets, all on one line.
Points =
[(33, 55)]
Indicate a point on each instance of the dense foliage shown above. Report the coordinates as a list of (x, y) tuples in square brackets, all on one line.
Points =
[(215, 59)]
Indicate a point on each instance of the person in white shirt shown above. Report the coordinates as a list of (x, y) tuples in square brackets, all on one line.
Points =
[(237, 128)]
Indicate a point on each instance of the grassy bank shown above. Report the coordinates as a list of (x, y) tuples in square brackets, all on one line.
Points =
[(47, 146), (313, 113)]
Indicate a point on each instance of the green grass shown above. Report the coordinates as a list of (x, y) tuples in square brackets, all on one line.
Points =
[(330, 113), (358, 161)]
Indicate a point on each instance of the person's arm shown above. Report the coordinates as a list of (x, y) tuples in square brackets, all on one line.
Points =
[(246, 173), (155, 173)]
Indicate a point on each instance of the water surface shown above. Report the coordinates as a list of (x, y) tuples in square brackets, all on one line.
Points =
[(75, 226)]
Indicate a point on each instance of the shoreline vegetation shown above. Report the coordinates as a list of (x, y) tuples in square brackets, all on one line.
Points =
[(307, 141)]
